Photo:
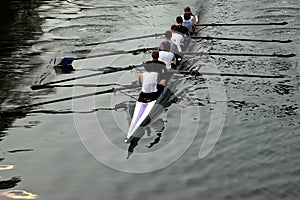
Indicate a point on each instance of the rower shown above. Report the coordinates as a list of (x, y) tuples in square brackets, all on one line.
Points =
[(159, 67), (166, 56), (168, 37), (194, 18), (182, 29), (187, 22), (177, 38), (149, 80)]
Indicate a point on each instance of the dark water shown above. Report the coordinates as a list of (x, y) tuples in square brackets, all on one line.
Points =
[(75, 150)]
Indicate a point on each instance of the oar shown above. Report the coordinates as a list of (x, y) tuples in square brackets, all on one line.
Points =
[(111, 90), (240, 39), (197, 73), (37, 87), (238, 54), (65, 99), (67, 61), (126, 39), (245, 24), (107, 70)]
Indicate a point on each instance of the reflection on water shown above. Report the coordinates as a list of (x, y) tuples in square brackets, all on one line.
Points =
[(19, 194), (6, 167), (156, 128)]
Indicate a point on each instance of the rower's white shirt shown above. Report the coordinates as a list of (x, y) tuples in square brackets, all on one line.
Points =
[(177, 39), (149, 82), (192, 19), (167, 58)]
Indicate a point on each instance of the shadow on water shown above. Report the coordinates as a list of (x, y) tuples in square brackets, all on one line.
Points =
[(7, 184)]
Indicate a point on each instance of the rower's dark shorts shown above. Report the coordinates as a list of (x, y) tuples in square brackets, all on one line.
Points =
[(147, 97)]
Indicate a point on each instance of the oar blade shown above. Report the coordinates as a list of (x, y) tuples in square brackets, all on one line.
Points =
[(65, 65), (283, 41), (39, 87), (285, 55)]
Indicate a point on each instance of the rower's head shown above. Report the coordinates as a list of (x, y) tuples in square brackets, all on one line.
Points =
[(179, 20), (174, 28), (155, 54), (166, 46), (187, 16), (187, 9), (168, 34)]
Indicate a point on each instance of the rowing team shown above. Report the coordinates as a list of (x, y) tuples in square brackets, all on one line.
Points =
[(159, 70)]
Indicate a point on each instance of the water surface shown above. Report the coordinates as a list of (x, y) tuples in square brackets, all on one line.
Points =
[(43, 152)]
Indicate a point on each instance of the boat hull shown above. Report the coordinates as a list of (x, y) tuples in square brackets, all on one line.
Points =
[(139, 119)]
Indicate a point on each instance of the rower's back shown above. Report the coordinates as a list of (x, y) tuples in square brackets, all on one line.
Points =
[(149, 80), (180, 28), (176, 37), (166, 56), (156, 65), (188, 23)]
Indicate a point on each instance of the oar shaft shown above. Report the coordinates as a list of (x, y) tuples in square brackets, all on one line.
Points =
[(74, 78), (242, 75), (250, 54), (197, 73), (245, 24), (238, 54), (240, 39), (109, 70), (65, 99), (38, 87), (126, 39), (111, 90), (135, 51)]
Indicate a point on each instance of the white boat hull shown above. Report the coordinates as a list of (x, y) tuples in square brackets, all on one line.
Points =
[(141, 112)]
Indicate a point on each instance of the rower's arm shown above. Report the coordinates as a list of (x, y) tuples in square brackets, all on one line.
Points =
[(174, 60), (195, 19), (141, 79)]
